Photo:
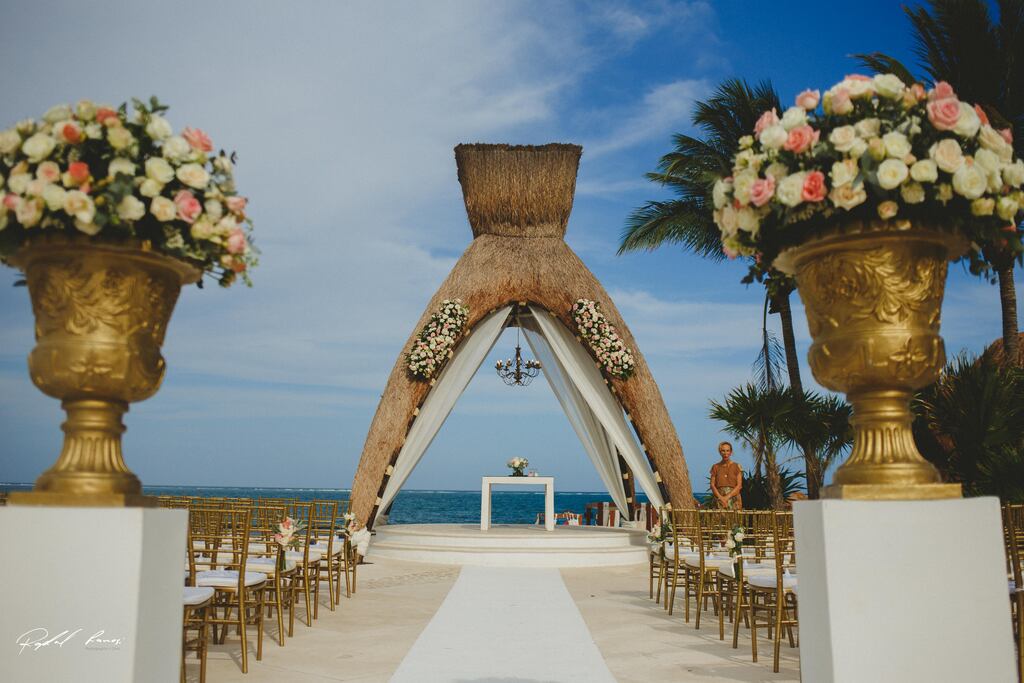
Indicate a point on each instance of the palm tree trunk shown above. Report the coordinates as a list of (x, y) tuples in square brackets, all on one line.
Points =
[(774, 483), (1008, 300)]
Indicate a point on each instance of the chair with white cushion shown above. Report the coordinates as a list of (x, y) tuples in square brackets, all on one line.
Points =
[(682, 547), (197, 603), (266, 556), (775, 595), (756, 525), (713, 527), (306, 581), (219, 541), (323, 539)]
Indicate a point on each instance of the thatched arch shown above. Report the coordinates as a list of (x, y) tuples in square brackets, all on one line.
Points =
[(518, 200)]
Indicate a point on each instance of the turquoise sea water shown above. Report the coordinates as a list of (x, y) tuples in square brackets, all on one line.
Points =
[(411, 506)]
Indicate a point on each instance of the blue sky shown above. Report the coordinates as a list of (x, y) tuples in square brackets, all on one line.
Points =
[(344, 117)]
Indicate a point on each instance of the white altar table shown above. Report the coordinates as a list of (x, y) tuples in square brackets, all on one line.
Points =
[(549, 497)]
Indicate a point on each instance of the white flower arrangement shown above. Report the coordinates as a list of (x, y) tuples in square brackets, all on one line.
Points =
[(120, 175), (877, 149), (734, 541), (518, 464), (436, 341), (604, 341)]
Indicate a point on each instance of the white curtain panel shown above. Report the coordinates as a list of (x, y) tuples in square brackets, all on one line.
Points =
[(450, 384), (592, 435), (580, 369)]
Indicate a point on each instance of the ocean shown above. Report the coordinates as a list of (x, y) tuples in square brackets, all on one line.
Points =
[(411, 506)]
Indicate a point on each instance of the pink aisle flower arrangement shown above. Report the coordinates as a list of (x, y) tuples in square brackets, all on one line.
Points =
[(436, 341), (286, 537), (603, 339), (122, 175), (871, 149)]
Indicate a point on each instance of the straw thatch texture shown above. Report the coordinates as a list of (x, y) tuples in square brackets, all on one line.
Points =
[(498, 269)]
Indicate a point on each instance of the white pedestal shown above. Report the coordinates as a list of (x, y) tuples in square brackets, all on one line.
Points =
[(549, 497), (95, 594), (903, 591)]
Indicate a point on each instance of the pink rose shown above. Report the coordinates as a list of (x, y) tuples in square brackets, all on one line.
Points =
[(801, 138), (857, 77), (78, 171), (197, 139), (808, 99), (1007, 135), (944, 113), (762, 190), (814, 189), (917, 90), (71, 133), (188, 206), (769, 118), (11, 201), (981, 115), (942, 91), (236, 204), (841, 103), (236, 241)]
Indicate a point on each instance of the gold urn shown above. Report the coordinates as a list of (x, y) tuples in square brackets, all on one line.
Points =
[(101, 313), (873, 297)]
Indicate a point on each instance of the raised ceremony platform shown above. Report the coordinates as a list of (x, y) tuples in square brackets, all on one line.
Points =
[(510, 545)]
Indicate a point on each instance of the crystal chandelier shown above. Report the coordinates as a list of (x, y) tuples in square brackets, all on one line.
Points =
[(516, 372)]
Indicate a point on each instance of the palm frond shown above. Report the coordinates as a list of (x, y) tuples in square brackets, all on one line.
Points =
[(881, 63), (768, 366), (686, 222)]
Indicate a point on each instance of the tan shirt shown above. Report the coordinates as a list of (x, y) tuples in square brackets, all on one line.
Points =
[(726, 475)]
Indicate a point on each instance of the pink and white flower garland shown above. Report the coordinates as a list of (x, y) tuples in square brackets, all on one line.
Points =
[(877, 149), (437, 339), (604, 341), (123, 174)]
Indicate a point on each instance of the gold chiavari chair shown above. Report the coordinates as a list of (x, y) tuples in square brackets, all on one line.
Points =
[(323, 539), (306, 581), (218, 550), (757, 558), (684, 533), (265, 556), (352, 559), (656, 555), (774, 595), (1013, 529), (713, 527), (198, 601)]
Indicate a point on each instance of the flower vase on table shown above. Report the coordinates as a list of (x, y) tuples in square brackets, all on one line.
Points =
[(108, 214), (863, 202), (518, 466)]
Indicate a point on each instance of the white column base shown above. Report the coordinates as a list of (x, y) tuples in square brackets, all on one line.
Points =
[(903, 591), (104, 583)]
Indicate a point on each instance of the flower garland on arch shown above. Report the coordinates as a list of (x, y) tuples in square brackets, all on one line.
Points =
[(604, 341), (437, 339)]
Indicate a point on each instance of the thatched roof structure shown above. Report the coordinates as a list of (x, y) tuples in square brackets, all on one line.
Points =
[(518, 199)]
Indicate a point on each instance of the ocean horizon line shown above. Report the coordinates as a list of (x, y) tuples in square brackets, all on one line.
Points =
[(309, 488)]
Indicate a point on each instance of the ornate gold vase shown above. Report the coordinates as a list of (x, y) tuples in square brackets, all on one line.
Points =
[(101, 312), (873, 296)]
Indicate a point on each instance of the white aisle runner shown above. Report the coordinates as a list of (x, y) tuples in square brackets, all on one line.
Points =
[(504, 625)]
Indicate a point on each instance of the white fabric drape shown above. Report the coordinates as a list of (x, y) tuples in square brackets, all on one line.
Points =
[(580, 369), (442, 397), (588, 428)]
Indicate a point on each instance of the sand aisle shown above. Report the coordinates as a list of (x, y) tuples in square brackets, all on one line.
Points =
[(502, 624)]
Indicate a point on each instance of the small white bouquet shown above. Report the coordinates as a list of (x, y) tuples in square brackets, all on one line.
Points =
[(285, 537), (734, 542), (518, 465)]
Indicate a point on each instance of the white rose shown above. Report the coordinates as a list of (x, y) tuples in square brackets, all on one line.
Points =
[(86, 110), (790, 190), (223, 163), (202, 229), (968, 123), (150, 188), (158, 128), (119, 137), (54, 196), (193, 175), (730, 544), (924, 171), (969, 181), (38, 147), (858, 87), (88, 227), (176, 148), (989, 138), (57, 113), (988, 160), (163, 209), (159, 170), (794, 116), (888, 209), (213, 209), (131, 209), (727, 221), (858, 148), (868, 128), (912, 193), (947, 155), (10, 141), (226, 225), (848, 196), (1013, 174), (741, 185), (889, 86), (29, 212), (720, 193), (18, 183), (80, 206), (843, 172), (896, 145), (891, 173), (120, 165), (842, 138), (984, 206), (94, 131), (777, 170), (748, 220), (1007, 208), (774, 137)]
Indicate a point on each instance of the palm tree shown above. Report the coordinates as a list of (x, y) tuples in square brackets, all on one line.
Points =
[(957, 41), (819, 424), (691, 170)]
